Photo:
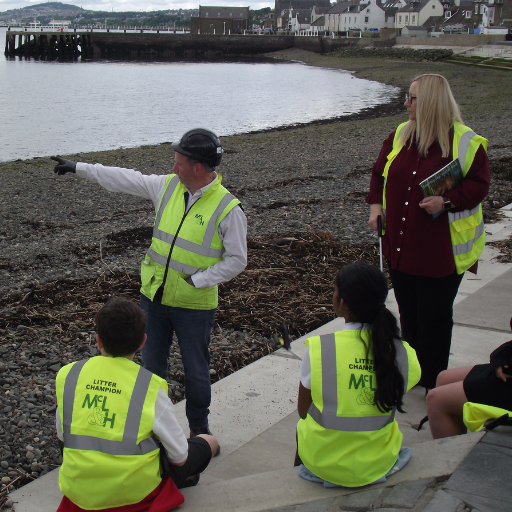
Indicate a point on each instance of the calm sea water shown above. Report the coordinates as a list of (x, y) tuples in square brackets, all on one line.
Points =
[(51, 107)]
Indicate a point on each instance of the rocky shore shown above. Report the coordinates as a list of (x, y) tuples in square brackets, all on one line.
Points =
[(67, 245)]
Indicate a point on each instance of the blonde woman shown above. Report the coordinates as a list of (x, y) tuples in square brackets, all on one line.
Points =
[(429, 242)]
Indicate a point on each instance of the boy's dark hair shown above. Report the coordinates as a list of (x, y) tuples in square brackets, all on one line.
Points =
[(364, 289), (121, 325)]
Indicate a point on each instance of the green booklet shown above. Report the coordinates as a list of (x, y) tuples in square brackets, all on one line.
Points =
[(447, 178)]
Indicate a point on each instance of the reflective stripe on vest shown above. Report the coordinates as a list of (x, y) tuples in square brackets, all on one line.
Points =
[(466, 253), (204, 249), (128, 446), (464, 147), (479, 230), (327, 418), (175, 265), (392, 155)]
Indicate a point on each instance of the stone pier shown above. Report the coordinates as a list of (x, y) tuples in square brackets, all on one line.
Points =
[(69, 44)]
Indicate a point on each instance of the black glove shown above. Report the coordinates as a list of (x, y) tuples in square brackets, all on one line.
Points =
[(64, 165)]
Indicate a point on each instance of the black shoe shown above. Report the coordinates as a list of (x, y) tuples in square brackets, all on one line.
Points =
[(196, 431)]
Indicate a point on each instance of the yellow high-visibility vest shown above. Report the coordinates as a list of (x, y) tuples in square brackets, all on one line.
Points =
[(345, 439), (192, 240), (475, 415), (106, 409), (467, 230)]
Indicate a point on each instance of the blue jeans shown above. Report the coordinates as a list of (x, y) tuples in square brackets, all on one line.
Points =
[(192, 328)]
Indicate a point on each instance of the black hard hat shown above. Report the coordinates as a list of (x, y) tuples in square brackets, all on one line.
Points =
[(201, 145)]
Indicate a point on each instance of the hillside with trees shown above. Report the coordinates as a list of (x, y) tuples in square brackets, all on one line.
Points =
[(46, 12)]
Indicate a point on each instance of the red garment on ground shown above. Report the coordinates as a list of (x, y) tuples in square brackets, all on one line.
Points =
[(164, 498), (414, 242)]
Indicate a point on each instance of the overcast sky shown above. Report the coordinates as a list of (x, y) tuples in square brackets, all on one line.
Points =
[(134, 5)]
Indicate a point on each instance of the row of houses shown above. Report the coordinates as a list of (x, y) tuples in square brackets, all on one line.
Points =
[(405, 16)]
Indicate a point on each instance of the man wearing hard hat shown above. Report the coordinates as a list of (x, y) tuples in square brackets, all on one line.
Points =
[(199, 240)]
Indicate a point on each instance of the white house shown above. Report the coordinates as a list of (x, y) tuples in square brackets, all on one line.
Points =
[(351, 17), (373, 15), (299, 20), (488, 15), (390, 9), (318, 12), (333, 16), (317, 26), (416, 13), (364, 15)]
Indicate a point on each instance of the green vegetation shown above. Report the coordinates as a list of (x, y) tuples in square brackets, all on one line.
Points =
[(130, 18), (476, 60), (46, 12), (56, 5), (255, 16)]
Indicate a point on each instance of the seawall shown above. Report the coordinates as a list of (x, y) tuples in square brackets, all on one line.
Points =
[(115, 44), (453, 40)]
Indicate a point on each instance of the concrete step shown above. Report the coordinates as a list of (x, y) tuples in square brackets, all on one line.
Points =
[(233, 484), (283, 487), (274, 449)]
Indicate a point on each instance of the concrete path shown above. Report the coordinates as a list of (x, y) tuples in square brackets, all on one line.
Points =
[(254, 417)]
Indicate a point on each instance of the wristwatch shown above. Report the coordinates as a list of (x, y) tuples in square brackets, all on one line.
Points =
[(447, 204)]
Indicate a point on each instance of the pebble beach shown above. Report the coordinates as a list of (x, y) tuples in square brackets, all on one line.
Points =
[(305, 178)]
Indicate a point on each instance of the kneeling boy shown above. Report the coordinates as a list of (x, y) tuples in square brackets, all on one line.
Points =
[(111, 416)]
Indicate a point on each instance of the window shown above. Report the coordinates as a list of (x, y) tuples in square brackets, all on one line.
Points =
[(476, 9), (218, 14), (368, 10), (399, 19), (230, 14), (206, 14), (448, 14), (406, 19), (366, 19), (482, 8), (433, 6), (468, 14), (413, 18)]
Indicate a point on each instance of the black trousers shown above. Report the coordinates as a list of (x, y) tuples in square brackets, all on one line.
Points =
[(426, 318)]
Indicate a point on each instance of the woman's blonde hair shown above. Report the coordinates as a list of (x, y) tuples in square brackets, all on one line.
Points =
[(436, 111)]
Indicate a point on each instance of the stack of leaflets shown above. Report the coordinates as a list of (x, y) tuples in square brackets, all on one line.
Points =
[(447, 178)]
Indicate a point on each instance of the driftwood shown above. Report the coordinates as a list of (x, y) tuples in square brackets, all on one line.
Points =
[(287, 278)]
